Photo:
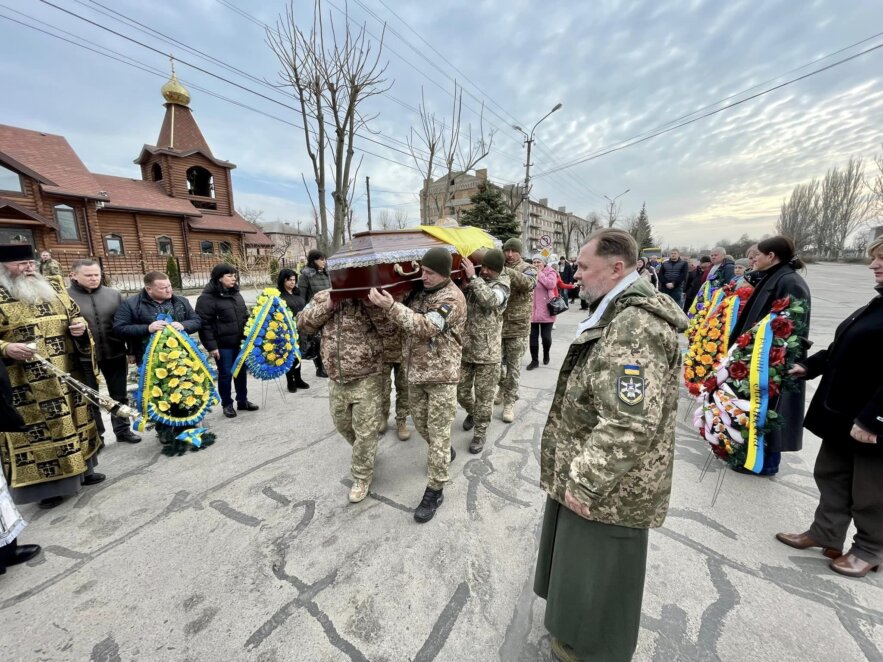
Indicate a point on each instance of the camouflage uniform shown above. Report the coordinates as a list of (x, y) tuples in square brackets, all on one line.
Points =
[(432, 325), (608, 441), (393, 372), (352, 352), (482, 349), (516, 326)]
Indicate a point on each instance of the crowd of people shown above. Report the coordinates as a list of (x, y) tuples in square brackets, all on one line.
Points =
[(608, 445)]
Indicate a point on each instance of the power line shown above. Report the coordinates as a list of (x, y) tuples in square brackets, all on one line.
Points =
[(640, 138)]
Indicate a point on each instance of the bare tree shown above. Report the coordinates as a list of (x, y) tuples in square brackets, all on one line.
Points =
[(251, 214), (582, 231), (799, 216), (876, 187), (400, 219), (331, 75), (385, 220), (614, 209), (424, 147), (845, 207)]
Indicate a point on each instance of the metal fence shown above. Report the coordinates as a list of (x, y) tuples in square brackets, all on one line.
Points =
[(126, 272)]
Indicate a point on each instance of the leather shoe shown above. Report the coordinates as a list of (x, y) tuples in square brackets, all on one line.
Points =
[(805, 541), (21, 554), (128, 437), (50, 502), (320, 372), (852, 566), (229, 412), (300, 383), (532, 365), (247, 406), (93, 479)]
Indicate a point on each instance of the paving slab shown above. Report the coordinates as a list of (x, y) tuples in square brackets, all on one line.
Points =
[(249, 550)]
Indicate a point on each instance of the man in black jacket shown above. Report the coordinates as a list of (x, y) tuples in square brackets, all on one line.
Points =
[(673, 275), (98, 304), (223, 313), (313, 279), (136, 318)]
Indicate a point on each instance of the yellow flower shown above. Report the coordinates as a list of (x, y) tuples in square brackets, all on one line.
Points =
[(161, 373), (198, 378), (270, 335), (279, 316), (689, 374), (706, 360), (271, 356), (173, 382), (714, 334), (280, 361), (198, 390), (190, 401), (156, 392), (187, 385), (175, 397), (174, 355), (171, 342), (163, 357), (288, 346), (274, 325), (181, 370), (711, 347), (163, 405), (268, 346), (171, 365), (700, 371), (261, 300)]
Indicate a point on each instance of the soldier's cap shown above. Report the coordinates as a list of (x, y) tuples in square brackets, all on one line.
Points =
[(494, 260), (16, 252), (439, 260), (513, 244)]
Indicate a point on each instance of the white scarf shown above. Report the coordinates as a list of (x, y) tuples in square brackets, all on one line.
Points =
[(595, 317)]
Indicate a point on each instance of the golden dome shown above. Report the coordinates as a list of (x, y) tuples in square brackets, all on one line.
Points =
[(173, 91)]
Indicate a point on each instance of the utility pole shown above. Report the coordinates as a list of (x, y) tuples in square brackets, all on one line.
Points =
[(368, 188), (525, 195)]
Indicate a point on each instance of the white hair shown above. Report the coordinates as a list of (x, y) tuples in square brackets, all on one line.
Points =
[(28, 288)]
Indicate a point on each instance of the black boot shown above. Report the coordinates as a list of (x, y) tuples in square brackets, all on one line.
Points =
[(14, 554), (432, 499), (533, 364), (468, 422), (533, 358), (292, 387), (545, 356), (298, 380)]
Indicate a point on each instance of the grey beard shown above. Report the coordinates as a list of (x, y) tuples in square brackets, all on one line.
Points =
[(31, 290)]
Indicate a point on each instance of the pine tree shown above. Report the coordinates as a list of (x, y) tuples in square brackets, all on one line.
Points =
[(490, 213), (641, 229), (173, 272)]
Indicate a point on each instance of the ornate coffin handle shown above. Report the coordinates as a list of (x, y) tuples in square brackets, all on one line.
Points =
[(407, 274)]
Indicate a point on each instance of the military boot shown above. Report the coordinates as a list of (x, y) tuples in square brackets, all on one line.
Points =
[(468, 422), (383, 426), (432, 499), (476, 445), (508, 412), (359, 490), (562, 652), (498, 400), (402, 430)]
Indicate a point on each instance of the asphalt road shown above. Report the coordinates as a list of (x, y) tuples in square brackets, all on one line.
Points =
[(249, 550)]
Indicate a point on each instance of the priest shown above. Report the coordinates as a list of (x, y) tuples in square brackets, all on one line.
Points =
[(56, 454)]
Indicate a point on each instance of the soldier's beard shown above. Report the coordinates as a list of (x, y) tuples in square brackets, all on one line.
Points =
[(29, 288)]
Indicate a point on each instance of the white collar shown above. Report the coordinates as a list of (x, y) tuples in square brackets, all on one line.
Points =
[(595, 317)]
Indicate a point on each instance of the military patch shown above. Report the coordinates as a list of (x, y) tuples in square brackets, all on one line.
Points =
[(630, 385), (530, 272), (444, 310)]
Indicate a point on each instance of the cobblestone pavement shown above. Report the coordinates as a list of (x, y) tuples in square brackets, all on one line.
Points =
[(250, 550)]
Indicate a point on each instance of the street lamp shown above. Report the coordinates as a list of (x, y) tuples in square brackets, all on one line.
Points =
[(525, 195), (612, 206)]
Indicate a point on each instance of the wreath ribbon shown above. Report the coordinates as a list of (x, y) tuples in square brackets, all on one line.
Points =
[(760, 394)]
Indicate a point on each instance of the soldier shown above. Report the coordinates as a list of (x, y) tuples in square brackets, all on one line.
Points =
[(394, 373), (48, 265), (606, 455), (516, 324), (352, 352), (480, 368), (432, 323)]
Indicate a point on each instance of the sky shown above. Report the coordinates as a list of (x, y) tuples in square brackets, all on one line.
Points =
[(620, 69)]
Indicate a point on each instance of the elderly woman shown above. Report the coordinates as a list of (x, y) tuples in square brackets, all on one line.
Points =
[(739, 271), (846, 412), (541, 320)]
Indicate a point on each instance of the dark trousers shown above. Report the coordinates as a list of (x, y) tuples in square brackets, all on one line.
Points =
[(115, 371), (225, 378), (850, 489), (675, 293), (538, 329)]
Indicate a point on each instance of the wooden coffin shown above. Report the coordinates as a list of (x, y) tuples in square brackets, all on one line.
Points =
[(385, 259)]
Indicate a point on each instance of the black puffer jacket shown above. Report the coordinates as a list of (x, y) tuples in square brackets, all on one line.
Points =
[(223, 313), (312, 281), (673, 272)]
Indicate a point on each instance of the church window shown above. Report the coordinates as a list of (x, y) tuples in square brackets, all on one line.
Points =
[(157, 172), (10, 181), (206, 247), (164, 245), (66, 218), (200, 182)]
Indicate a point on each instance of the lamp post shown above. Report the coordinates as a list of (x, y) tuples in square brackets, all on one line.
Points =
[(525, 194), (612, 206)]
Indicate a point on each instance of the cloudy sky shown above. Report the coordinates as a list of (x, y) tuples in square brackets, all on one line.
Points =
[(622, 70)]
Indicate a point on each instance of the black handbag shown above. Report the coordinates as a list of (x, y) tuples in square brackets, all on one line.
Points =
[(309, 346), (556, 305)]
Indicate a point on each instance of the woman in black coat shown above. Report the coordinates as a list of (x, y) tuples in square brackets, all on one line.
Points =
[(313, 279), (776, 277), (286, 283), (846, 412), (223, 313)]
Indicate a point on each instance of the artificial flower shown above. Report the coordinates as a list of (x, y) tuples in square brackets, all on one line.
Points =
[(738, 370), (173, 382), (778, 355), (156, 392), (171, 342), (163, 405), (175, 397), (161, 373), (781, 304), (782, 327), (744, 340)]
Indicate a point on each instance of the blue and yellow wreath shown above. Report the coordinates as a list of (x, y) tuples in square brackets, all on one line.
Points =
[(271, 346)]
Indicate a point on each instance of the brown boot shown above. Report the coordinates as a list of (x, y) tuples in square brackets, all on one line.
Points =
[(805, 541), (852, 566), (402, 430)]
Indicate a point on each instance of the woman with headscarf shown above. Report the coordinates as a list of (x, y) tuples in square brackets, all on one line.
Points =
[(224, 314), (541, 320), (286, 283), (777, 263), (846, 412), (313, 279)]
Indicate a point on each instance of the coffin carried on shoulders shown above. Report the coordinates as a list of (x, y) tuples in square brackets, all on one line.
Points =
[(390, 259)]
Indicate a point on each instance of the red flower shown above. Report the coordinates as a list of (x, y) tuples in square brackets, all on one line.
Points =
[(710, 384), (744, 292), (693, 388), (782, 327), (781, 304), (774, 389), (778, 355), (738, 370), (744, 340)]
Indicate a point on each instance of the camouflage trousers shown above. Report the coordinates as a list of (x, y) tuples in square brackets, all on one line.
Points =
[(482, 377), (393, 373), (355, 410), (513, 352), (433, 407)]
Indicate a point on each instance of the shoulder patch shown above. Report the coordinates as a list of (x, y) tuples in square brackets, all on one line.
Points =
[(530, 271), (630, 385), (444, 310)]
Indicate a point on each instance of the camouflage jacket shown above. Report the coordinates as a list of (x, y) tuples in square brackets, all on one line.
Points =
[(485, 303), (392, 346), (609, 438), (432, 325), (516, 319), (352, 336)]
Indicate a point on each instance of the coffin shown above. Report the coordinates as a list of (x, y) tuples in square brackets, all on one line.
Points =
[(390, 260)]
